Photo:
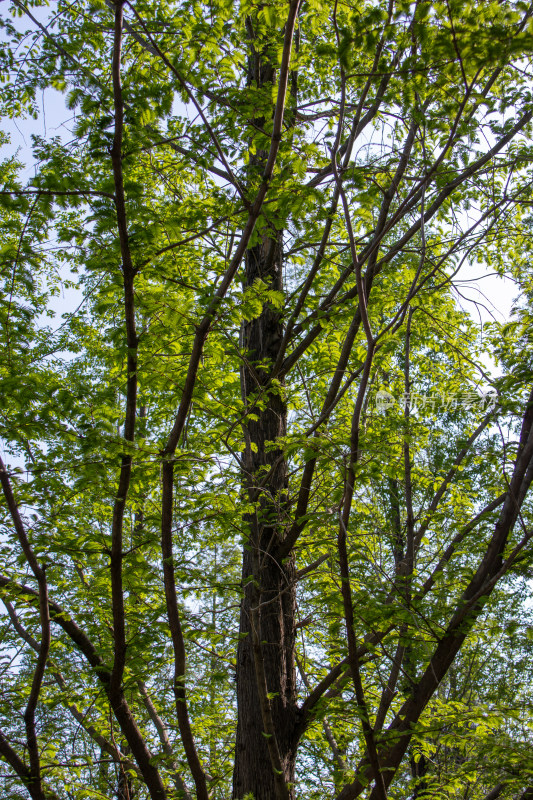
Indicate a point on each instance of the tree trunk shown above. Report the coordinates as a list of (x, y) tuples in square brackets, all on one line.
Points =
[(265, 581), (269, 586)]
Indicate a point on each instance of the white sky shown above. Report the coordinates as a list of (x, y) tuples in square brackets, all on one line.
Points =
[(485, 295)]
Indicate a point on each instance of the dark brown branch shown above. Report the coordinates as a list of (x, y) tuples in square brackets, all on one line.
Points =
[(336, 675), (450, 187), (456, 541), (162, 732), (337, 755), (115, 688), (364, 291), (35, 784), (57, 192), (18, 765), (410, 539), (354, 663), (463, 619), (176, 634), (119, 631), (332, 302), (344, 520), (301, 573), (80, 718), (125, 718), (382, 219), (14, 761), (495, 793), (449, 477), (387, 695), (327, 407)]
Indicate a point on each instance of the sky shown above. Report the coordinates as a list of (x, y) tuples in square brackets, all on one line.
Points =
[(481, 293), (485, 295)]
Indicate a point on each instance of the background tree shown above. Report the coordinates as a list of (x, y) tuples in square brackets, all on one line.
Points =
[(263, 537)]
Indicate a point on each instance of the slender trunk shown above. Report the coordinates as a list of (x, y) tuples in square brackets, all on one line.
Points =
[(266, 671), (267, 584)]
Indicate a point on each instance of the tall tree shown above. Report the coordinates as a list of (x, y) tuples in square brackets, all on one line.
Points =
[(262, 513)]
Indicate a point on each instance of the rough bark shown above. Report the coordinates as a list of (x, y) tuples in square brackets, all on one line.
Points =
[(266, 678), (268, 584)]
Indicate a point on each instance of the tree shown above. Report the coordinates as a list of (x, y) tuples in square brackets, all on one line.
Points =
[(259, 526)]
